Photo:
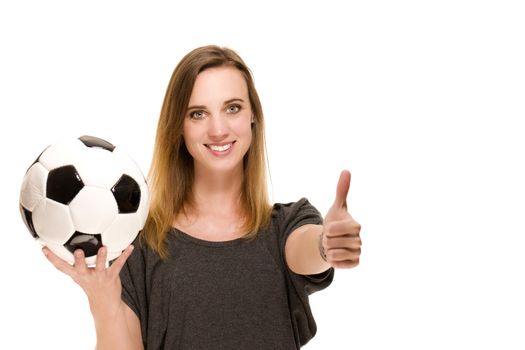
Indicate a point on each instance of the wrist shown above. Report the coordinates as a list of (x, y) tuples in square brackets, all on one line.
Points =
[(106, 312), (321, 247)]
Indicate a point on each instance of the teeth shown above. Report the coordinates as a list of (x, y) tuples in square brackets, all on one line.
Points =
[(220, 148)]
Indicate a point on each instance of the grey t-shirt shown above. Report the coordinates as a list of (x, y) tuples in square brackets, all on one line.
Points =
[(225, 295)]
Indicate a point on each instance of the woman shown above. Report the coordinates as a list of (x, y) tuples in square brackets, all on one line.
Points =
[(216, 265)]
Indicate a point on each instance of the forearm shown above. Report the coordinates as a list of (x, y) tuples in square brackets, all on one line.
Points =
[(302, 251), (113, 331)]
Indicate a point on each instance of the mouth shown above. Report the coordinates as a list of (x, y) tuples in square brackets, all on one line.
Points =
[(220, 147)]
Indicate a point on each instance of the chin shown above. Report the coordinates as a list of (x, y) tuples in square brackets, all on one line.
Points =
[(218, 167)]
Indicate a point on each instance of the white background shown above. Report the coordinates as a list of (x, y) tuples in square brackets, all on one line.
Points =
[(423, 101)]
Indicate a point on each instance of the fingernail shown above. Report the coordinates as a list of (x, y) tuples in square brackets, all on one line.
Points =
[(102, 250), (44, 250)]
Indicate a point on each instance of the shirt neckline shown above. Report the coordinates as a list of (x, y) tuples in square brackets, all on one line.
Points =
[(188, 238)]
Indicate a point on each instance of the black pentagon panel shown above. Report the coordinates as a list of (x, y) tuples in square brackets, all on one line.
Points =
[(27, 216), (92, 141), (63, 184), (89, 243), (127, 194)]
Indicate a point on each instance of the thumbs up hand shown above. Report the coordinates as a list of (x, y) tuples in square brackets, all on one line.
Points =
[(340, 243)]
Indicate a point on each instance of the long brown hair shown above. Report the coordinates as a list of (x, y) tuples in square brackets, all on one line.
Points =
[(172, 173)]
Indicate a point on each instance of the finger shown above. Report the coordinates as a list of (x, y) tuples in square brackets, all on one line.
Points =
[(342, 228), (80, 261), (345, 264), (101, 259), (58, 263), (343, 186), (121, 260), (349, 242), (343, 254)]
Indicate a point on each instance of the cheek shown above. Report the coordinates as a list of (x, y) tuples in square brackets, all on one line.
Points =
[(246, 131), (190, 136), (243, 127), (191, 132)]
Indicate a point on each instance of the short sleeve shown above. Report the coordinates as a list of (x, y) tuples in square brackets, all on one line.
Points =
[(133, 280), (290, 217)]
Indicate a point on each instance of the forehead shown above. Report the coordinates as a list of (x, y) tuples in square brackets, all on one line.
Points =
[(218, 84)]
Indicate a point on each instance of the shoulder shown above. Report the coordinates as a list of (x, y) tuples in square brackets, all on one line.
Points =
[(300, 208), (143, 256), (286, 206), (286, 217)]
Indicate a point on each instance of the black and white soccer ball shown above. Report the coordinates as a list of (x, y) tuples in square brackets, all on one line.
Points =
[(84, 193)]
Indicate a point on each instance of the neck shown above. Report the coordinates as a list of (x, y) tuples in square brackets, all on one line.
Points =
[(218, 192)]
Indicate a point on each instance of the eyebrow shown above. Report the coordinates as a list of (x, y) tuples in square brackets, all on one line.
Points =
[(236, 99)]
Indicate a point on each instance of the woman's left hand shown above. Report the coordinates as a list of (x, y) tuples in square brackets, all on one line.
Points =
[(340, 240)]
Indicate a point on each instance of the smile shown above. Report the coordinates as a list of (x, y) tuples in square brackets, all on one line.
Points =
[(220, 147)]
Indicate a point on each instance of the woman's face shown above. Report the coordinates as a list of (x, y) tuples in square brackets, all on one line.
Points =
[(217, 123)]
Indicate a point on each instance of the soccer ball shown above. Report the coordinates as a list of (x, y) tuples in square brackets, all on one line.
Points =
[(84, 193)]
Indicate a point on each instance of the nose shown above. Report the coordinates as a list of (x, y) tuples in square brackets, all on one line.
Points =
[(218, 128)]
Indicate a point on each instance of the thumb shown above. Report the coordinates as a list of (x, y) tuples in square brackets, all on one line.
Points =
[(343, 185)]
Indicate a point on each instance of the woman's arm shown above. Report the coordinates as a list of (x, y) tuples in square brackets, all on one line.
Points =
[(122, 331), (302, 252), (117, 326), (312, 249)]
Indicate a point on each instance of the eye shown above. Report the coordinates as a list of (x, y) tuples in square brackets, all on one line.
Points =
[(197, 115), (234, 108)]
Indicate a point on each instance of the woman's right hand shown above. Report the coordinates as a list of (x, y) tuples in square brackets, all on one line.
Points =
[(117, 326), (100, 283)]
